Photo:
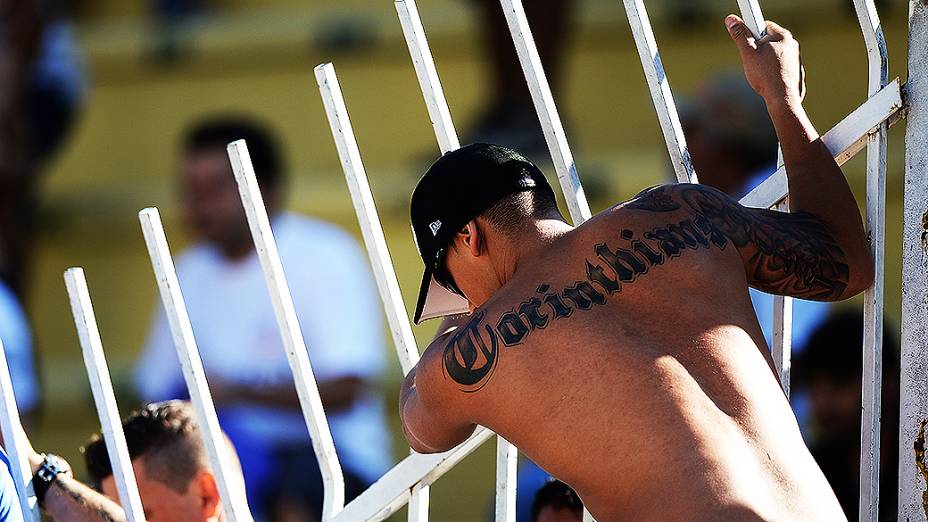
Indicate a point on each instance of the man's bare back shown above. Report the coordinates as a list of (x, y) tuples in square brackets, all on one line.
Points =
[(624, 356), (627, 361)]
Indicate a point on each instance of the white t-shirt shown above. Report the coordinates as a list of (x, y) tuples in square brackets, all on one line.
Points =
[(17, 344), (239, 341)]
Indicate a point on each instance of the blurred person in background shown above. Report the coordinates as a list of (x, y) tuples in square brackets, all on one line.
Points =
[(9, 502), (238, 337), (830, 371), (734, 148), (41, 94), (508, 116), (172, 470), (16, 337), (556, 502)]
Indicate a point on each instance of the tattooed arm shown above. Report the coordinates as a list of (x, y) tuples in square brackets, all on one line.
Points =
[(794, 254), (431, 419), (68, 500), (71, 501), (819, 194)]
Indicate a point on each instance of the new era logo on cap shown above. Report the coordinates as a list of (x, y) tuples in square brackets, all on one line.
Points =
[(435, 226)]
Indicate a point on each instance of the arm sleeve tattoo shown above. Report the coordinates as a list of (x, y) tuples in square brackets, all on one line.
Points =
[(792, 254), (783, 253)]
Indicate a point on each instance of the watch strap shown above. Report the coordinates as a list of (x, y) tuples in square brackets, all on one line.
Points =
[(46, 475)]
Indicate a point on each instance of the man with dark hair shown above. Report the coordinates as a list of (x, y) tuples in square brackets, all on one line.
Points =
[(171, 468), (829, 371), (623, 355), (171, 465), (237, 333), (556, 502)]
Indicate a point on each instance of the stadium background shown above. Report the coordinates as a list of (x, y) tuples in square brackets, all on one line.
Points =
[(257, 57)]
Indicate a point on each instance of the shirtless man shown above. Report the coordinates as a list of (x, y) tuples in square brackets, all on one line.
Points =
[(623, 355)]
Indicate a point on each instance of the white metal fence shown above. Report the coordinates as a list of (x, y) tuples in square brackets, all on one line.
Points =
[(409, 481)]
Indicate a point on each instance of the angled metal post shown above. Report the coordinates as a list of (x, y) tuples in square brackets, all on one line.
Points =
[(753, 18), (877, 79), (15, 444), (292, 336), (105, 400), (661, 94), (231, 488), (538, 87), (844, 140), (427, 74), (507, 461), (366, 210)]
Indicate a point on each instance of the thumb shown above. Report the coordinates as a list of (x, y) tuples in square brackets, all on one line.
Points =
[(740, 34)]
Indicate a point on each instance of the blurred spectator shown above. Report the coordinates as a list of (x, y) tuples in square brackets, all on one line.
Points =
[(238, 337), (734, 148), (171, 465), (9, 502), (509, 117), (531, 479), (40, 95), (557, 502), (17, 345), (171, 19), (830, 370)]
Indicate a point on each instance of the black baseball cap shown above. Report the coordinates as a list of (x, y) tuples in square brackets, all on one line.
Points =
[(456, 189)]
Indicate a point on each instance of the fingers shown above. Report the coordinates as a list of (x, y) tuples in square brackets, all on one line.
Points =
[(740, 34), (775, 29), (774, 33)]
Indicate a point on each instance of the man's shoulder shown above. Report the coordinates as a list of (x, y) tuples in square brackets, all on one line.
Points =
[(673, 196)]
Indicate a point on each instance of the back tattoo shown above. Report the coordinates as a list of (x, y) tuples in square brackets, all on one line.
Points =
[(787, 254)]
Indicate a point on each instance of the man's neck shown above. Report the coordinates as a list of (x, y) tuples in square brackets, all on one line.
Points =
[(537, 237)]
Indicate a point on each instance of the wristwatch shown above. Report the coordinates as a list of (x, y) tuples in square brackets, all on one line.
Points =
[(45, 476)]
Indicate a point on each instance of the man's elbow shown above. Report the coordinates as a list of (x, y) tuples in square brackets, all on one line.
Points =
[(861, 275), (418, 445)]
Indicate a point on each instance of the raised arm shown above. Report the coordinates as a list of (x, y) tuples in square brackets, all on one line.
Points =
[(819, 251)]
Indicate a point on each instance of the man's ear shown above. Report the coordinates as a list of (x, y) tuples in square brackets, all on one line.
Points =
[(473, 238), (209, 495)]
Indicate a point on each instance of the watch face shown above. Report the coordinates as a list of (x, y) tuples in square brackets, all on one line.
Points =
[(51, 467)]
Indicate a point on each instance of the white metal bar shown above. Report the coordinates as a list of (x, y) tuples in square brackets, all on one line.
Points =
[(844, 140), (913, 465), (878, 77), (661, 94), (506, 467), (392, 490), (781, 347), (103, 397), (291, 334), (753, 18), (538, 86), (356, 177), (231, 490), (15, 444), (427, 74), (418, 510), (447, 138), (366, 210)]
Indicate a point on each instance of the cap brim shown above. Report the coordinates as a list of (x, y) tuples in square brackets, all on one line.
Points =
[(437, 301)]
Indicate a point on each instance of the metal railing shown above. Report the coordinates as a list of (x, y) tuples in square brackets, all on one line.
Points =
[(409, 481)]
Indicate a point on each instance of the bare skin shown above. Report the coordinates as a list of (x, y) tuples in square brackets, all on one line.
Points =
[(624, 355)]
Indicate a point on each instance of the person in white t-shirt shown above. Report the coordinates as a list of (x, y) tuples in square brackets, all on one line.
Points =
[(239, 341)]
